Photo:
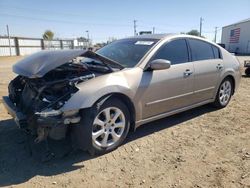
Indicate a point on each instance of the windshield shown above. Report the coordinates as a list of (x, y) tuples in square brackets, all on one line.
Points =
[(127, 52)]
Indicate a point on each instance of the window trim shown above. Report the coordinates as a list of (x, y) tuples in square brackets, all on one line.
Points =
[(220, 56), (211, 46)]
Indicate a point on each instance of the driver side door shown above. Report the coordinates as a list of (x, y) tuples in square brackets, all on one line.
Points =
[(169, 89)]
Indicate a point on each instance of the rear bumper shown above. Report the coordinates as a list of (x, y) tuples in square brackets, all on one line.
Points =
[(19, 117)]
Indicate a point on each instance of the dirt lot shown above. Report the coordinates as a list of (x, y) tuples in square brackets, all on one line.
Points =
[(203, 147)]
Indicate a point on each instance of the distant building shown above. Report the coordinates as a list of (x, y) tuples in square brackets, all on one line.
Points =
[(236, 37), (82, 43)]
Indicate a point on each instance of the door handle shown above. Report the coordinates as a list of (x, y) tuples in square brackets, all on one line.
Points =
[(219, 66), (188, 73)]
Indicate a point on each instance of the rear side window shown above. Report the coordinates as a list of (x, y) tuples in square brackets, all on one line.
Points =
[(175, 51), (200, 50), (216, 52)]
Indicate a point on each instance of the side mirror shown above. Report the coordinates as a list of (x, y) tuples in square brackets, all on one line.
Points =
[(159, 64)]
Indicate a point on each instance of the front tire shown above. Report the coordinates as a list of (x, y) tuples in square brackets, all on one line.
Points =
[(224, 93), (109, 123)]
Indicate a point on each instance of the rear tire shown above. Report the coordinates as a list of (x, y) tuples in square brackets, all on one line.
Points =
[(105, 126), (224, 93)]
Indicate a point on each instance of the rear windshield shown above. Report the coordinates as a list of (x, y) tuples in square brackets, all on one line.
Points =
[(127, 52)]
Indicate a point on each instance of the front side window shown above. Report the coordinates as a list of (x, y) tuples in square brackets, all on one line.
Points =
[(127, 52), (200, 50), (175, 51)]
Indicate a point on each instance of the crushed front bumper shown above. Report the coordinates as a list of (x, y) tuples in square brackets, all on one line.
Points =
[(22, 120), (19, 117)]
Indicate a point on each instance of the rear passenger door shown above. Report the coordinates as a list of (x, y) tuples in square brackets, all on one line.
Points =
[(207, 65)]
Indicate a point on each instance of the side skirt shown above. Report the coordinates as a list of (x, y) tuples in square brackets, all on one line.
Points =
[(163, 115)]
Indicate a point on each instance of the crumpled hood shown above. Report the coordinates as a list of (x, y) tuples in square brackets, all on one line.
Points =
[(38, 64)]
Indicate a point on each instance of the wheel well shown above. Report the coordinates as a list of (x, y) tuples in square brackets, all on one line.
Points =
[(233, 81), (126, 100)]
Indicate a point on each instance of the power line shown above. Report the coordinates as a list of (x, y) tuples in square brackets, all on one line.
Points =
[(159, 29), (77, 15), (208, 31), (155, 23), (149, 25), (77, 22), (64, 21), (43, 10)]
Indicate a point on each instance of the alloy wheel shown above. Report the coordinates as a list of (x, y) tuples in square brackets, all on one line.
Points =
[(225, 92), (108, 127)]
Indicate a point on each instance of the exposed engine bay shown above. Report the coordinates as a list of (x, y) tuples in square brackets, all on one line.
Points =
[(39, 99)]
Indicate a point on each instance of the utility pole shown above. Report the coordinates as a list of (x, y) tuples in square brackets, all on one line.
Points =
[(88, 37), (153, 30), (215, 34), (8, 33), (135, 27), (201, 20)]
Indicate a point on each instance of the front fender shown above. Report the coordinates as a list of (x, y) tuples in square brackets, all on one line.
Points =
[(85, 99), (89, 92)]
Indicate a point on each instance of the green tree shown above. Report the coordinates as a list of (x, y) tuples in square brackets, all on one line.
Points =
[(48, 35), (194, 32)]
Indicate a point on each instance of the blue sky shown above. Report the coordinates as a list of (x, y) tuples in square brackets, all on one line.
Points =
[(114, 18)]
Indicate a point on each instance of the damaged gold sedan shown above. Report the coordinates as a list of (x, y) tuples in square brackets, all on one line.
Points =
[(99, 96)]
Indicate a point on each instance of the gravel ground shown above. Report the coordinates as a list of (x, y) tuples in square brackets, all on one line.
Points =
[(202, 147)]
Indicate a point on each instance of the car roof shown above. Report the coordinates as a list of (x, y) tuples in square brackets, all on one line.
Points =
[(163, 36)]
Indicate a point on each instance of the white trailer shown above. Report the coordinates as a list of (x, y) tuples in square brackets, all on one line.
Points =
[(236, 37)]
